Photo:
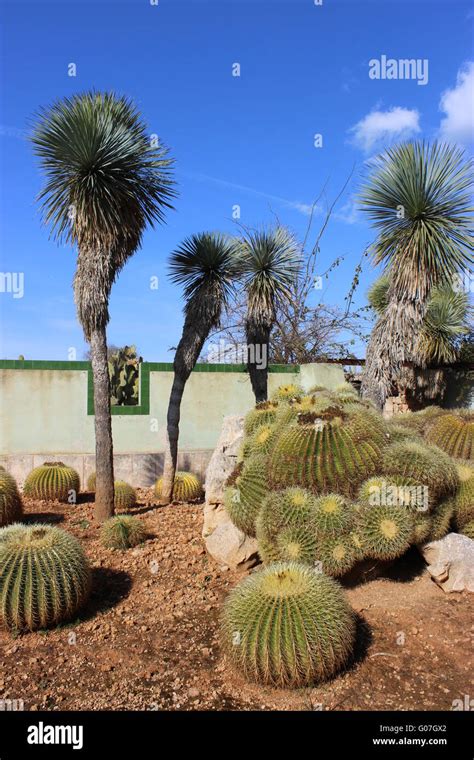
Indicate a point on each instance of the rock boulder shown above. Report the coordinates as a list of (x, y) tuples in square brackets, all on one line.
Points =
[(227, 545), (451, 562)]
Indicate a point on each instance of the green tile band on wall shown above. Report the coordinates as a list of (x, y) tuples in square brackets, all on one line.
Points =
[(143, 407)]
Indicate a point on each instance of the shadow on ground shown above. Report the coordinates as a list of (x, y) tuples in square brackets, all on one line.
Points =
[(109, 587)]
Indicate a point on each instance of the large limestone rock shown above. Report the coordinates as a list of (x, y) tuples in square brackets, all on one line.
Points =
[(224, 458), (451, 562), (227, 545)]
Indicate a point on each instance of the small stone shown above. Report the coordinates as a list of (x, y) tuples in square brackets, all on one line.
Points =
[(193, 692)]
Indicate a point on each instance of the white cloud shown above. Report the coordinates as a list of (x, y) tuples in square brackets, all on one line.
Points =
[(458, 105), (348, 212), (6, 131), (381, 127), (303, 208)]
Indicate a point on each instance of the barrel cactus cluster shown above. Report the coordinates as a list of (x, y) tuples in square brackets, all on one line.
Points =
[(45, 576), (53, 481), (324, 481), (338, 483)]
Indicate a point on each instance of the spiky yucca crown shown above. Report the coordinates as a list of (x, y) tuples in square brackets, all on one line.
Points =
[(386, 532), (463, 501), (122, 532), (125, 496), (44, 576), (327, 453), (288, 626), (53, 481), (245, 493), (333, 514), (265, 412), (454, 434), (336, 553), (187, 487), (11, 507), (424, 463), (287, 392)]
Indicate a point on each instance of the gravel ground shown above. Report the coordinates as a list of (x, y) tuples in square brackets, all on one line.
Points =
[(148, 638)]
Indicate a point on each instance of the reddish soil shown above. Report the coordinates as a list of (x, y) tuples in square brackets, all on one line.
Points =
[(148, 638)]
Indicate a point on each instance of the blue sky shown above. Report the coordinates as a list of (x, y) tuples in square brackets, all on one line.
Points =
[(247, 140)]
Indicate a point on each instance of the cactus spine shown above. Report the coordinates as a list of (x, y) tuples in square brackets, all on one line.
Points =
[(426, 464), (286, 393), (333, 514), (264, 413)]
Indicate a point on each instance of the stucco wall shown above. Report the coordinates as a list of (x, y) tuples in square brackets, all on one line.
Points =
[(45, 411)]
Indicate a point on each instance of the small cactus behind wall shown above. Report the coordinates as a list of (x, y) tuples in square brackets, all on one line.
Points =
[(11, 508), (53, 481), (45, 576)]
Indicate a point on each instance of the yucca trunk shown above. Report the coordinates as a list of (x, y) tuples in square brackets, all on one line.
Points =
[(187, 354), (104, 464), (392, 343), (172, 437), (258, 340)]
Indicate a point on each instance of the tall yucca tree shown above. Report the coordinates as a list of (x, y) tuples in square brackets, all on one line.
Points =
[(105, 181), (205, 265), (269, 264), (417, 197)]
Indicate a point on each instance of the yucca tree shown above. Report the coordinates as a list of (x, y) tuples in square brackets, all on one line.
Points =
[(105, 181), (205, 265), (269, 264), (445, 322), (417, 197)]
